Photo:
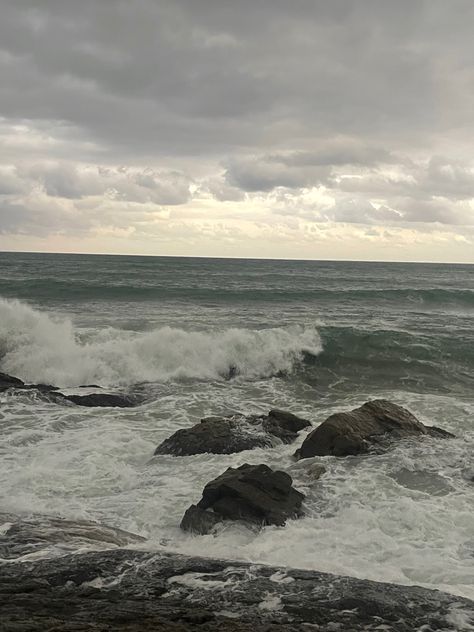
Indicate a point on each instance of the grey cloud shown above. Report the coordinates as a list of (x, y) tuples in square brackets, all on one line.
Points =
[(191, 76), (68, 181), (355, 96), (24, 219), (265, 174)]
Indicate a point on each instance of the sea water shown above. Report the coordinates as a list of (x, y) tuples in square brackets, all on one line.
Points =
[(198, 337)]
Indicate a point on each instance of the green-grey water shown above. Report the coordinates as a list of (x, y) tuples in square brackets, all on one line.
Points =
[(310, 337)]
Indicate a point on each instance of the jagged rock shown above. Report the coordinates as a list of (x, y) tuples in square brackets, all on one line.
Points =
[(24, 536), (8, 381), (226, 435), (357, 431), (252, 493), (139, 591)]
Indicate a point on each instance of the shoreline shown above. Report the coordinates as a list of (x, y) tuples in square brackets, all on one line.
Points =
[(132, 591)]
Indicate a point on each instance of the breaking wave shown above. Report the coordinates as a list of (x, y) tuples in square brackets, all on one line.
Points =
[(38, 347)]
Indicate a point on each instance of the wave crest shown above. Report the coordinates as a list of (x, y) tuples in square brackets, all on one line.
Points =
[(39, 348)]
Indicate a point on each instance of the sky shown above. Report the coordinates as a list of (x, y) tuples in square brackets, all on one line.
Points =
[(315, 129)]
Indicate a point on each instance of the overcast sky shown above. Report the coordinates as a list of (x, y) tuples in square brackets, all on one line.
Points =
[(338, 129)]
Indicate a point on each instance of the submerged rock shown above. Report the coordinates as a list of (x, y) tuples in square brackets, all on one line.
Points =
[(102, 399), (34, 534), (315, 471), (357, 431), (138, 591), (253, 493), (226, 435)]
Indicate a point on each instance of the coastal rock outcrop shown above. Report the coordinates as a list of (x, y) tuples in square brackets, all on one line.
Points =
[(369, 426), (52, 394), (141, 591), (8, 381), (226, 435), (253, 493)]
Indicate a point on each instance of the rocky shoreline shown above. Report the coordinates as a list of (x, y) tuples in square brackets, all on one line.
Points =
[(136, 591), (110, 587)]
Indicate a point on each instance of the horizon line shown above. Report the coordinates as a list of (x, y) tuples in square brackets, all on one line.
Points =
[(113, 254)]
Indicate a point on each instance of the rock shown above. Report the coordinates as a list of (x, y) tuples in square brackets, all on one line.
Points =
[(102, 400), (24, 536), (8, 381), (283, 425), (199, 520), (439, 433), (316, 471), (52, 394), (423, 481), (141, 591), (226, 435), (253, 493), (357, 431)]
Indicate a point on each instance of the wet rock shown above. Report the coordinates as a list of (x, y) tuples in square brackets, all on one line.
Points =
[(49, 393), (139, 591), (253, 493), (468, 474), (371, 425), (423, 481), (24, 536), (227, 435), (199, 521), (316, 471), (8, 381), (283, 424), (439, 433), (102, 400)]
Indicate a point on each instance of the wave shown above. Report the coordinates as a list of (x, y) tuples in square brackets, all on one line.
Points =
[(38, 347), (54, 289), (388, 358)]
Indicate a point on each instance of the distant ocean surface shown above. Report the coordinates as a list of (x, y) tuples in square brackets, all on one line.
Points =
[(217, 336)]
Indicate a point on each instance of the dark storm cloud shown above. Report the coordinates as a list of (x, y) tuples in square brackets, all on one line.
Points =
[(358, 96), (201, 76)]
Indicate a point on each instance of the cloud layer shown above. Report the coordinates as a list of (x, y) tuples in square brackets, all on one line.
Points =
[(197, 127)]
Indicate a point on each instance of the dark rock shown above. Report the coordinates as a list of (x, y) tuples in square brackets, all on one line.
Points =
[(139, 591), (51, 394), (361, 429), (8, 381), (199, 520), (226, 435), (316, 471), (252, 493), (103, 400), (436, 432), (284, 425)]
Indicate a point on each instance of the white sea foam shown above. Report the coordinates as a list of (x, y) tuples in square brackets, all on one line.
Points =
[(360, 519), (38, 347), (403, 517)]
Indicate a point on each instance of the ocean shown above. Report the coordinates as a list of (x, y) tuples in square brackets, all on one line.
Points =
[(200, 337)]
